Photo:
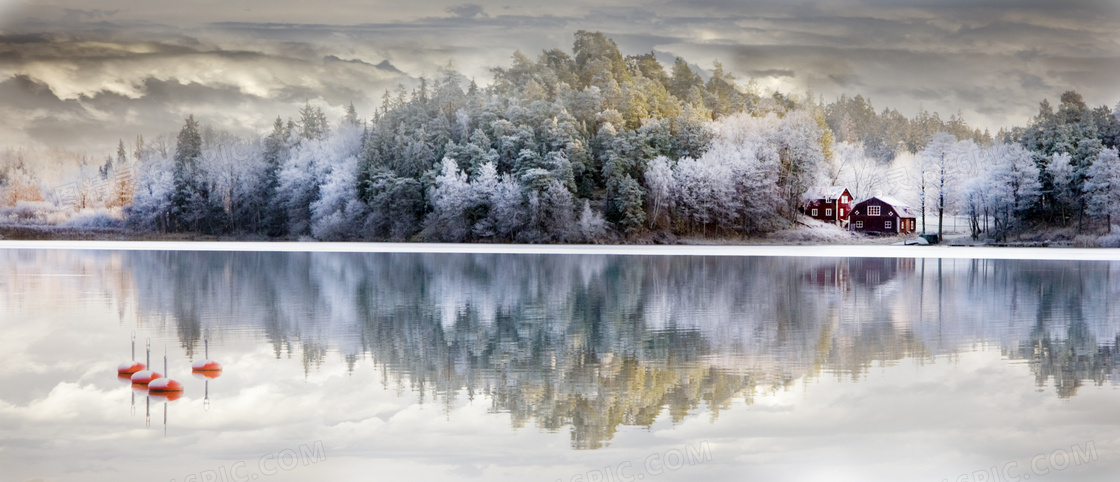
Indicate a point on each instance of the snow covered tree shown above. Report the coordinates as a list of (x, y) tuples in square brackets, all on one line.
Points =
[(1012, 185), (1102, 186), (151, 205), (312, 123), (452, 197), (1065, 192), (659, 179), (592, 224), (801, 158), (550, 214), (937, 162), (304, 174), (862, 174)]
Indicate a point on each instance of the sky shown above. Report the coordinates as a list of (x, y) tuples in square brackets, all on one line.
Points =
[(82, 75)]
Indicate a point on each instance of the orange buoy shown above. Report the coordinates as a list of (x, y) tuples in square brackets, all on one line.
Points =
[(206, 375), (164, 385), (207, 367), (165, 397), (144, 377), (130, 367)]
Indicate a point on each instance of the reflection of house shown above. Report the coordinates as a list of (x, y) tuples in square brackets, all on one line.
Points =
[(831, 275), (883, 215), (831, 204), (878, 271)]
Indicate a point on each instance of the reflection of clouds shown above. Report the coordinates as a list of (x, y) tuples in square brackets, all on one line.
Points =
[(913, 421), (923, 388)]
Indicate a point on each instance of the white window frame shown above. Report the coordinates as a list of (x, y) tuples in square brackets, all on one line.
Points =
[(844, 199), (841, 212), (859, 224), (814, 212), (887, 225), (828, 212), (873, 210)]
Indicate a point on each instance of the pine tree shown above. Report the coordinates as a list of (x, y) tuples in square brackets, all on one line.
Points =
[(186, 190), (138, 154), (351, 115)]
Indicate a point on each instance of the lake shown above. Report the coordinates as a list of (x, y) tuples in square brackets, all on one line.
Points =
[(558, 367)]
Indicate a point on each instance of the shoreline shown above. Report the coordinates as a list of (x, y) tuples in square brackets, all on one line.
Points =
[(819, 251)]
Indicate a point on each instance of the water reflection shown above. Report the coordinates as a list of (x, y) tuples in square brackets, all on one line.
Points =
[(591, 344)]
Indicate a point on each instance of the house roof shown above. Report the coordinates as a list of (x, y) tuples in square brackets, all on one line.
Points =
[(903, 209), (825, 192)]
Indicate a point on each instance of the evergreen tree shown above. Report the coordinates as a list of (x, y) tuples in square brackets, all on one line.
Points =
[(187, 190)]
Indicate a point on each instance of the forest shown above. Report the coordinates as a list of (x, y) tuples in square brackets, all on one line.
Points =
[(589, 146)]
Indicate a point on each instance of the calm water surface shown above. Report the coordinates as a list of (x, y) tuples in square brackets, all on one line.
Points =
[(481, 367)]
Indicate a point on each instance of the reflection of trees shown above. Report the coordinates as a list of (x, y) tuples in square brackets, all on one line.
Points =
[(1063, 344), (598, 342)]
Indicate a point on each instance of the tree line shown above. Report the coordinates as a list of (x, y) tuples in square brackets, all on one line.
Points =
[(593, 146)]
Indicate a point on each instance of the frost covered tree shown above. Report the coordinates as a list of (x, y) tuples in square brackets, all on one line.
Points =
[(753, 173), (939, 175), (151, 204), (550, 214), (550, 148), (452, 198), (1065, 192), (312, 123), (308, 169), (339, 213), (1004, 190), (659, 179), (801, 158), (862, 174), (592, 224), (1102, 186)]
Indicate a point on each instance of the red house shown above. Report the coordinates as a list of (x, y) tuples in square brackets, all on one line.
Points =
[(831, 204), (882, 215)]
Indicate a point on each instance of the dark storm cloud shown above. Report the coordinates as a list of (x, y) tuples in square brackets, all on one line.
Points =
[(77, 91), (23, 92), (148, 66)]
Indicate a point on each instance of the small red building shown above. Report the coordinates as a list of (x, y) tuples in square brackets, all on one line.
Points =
[(831, 204), (883, 215)]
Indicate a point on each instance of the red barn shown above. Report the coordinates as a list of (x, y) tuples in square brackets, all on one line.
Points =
[(883, 215), (831, 204)]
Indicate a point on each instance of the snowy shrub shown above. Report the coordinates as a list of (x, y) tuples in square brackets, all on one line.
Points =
[(592, 225), (1110, 240), (97, 219), (31, 212)]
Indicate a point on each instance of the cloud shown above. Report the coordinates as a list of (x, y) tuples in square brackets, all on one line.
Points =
[(467, 10), (87, 15), (772, 73), (89, 91), (267, 58)]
